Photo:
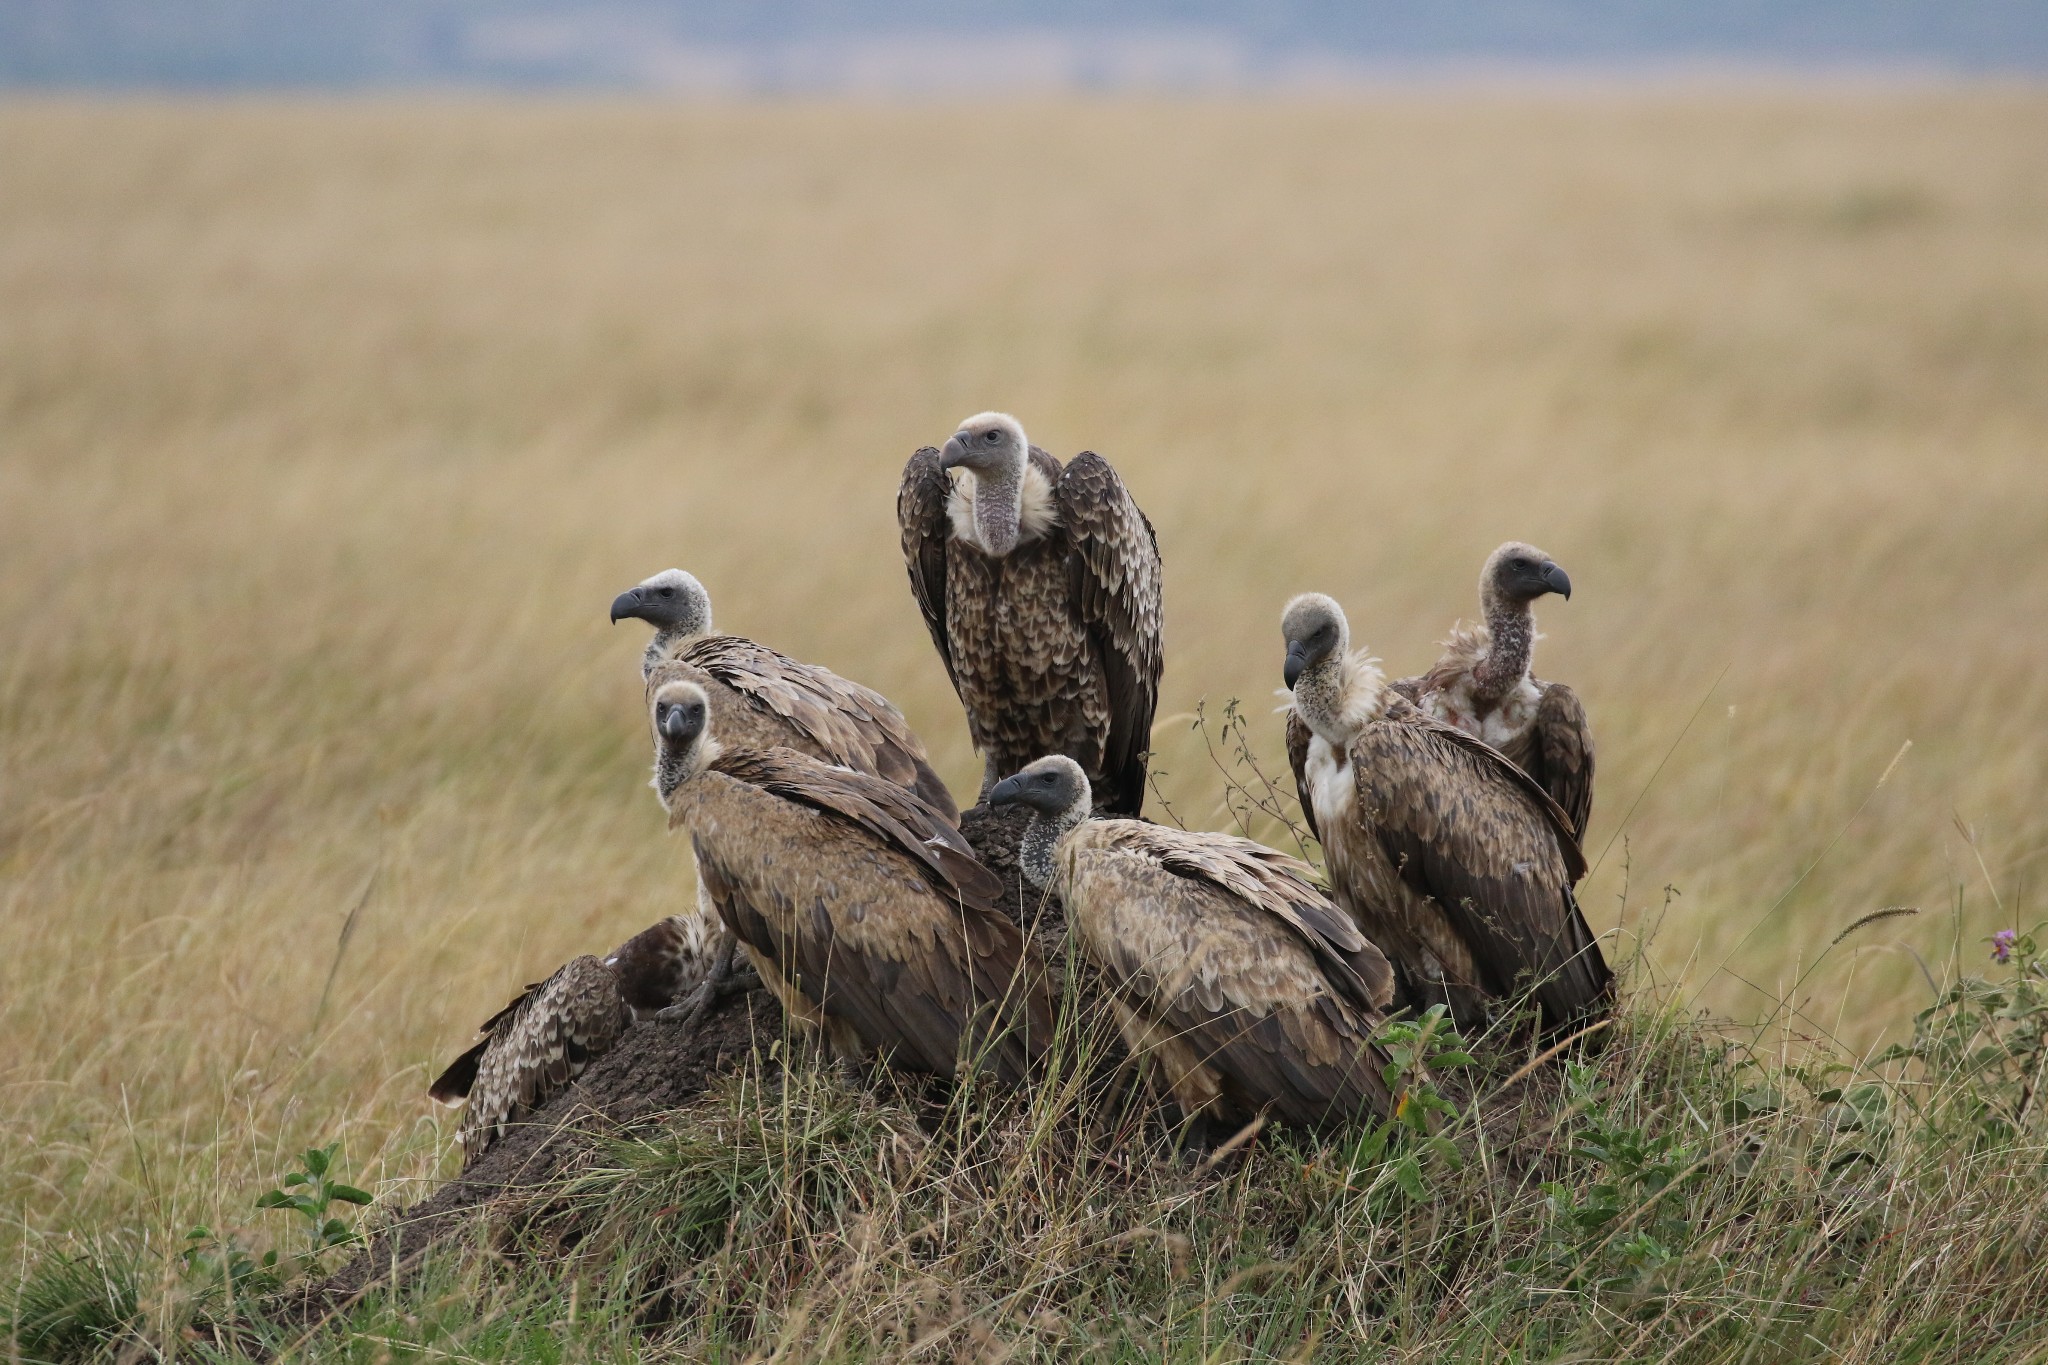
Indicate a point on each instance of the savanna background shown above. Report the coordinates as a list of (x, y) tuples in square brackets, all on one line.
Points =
[(329, 427)]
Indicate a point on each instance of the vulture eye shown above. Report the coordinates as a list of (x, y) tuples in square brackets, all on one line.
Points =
[(992, 437), (666, 592)]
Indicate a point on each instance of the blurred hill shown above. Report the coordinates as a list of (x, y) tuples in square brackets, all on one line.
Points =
[(958, 46)]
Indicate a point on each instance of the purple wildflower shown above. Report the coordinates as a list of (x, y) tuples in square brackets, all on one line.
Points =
[(2001, 945)]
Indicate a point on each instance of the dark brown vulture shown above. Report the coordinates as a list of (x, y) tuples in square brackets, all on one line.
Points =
[(867, 915), (1481, 684), (766, 699), (1453, 860), (1041, 588), (1235, 981), (534, 1047)]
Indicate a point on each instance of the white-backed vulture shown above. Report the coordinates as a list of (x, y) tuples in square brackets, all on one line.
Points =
[(1453, 860), (1235, 981), (764, 699), (1481, 684), (534, 1047), (1041, 588), (867, 915)]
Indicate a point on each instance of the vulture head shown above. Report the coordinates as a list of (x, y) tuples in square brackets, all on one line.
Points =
[(1517, 574), (990, 445), (681, 716), (1053, 787), (1315, 629), (671, 601), (1056, 792)]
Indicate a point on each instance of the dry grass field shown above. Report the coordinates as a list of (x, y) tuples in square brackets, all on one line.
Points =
[(327, 432)]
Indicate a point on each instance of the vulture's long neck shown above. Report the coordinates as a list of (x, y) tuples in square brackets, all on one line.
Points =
[(672, 768), (1042, 840), (999, 509), (1511, 638), (1338, 695)]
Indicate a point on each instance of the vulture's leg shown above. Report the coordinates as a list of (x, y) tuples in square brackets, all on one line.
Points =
[(717, 983)]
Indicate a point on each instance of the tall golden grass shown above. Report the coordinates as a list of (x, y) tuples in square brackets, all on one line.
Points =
[(327, 431)]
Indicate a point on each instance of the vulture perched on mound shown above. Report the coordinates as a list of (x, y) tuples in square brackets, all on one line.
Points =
[(866, 913), (534, 1047), (1241, 988), (1481, 684), (765, 699), (1453, 860), (1041, 588)]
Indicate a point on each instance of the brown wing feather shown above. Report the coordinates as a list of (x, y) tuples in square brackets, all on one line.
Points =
[(1298, 737), (1270, 882), (552, 1034), (882, 809), (1561, 758), (851, 725), (453, 1084), (1474, 833), (1116, 578), (1229, 985), (921, 518)]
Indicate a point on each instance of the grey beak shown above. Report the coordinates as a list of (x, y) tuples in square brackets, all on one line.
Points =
[(676, 725), (1557, 580), (1297, 660), (1005, 792), (955, 453), (626, 604)]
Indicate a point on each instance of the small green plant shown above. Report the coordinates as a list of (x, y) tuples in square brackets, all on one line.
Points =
[(1624, 1217), (214, 1262), (73, 1305), (310, 1193), (1397, 1152), (1982, 1047)]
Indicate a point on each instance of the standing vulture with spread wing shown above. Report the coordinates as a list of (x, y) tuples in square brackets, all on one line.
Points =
[(1041, 587), (867, 915), (764, 698), (534, 1047), (1481, 684), (1452, 859), (1235, 981)]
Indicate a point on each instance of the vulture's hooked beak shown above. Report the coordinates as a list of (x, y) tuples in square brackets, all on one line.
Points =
[(1005, 792), (1297, 660), (955, 453), (1557, 580), (677, 724), (627, 603)]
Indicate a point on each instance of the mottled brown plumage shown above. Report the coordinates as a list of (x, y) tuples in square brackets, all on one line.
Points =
[(764, 699), (1453, 860), (1041, 588), (1237, 983), (1482, 684), (540, 1042), (865, 912)]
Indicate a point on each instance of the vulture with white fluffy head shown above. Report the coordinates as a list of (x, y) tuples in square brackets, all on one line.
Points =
[(867, 915), (765, 699), (1452, 859), (1237, 984), (1481, 684), (1040, 585)]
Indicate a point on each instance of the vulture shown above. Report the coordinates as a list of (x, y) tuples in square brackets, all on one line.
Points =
[(765, 699), (1449, 857), (1241, 988), (534, 1047), (1481, 684), (1041, 588), (866, 913)]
